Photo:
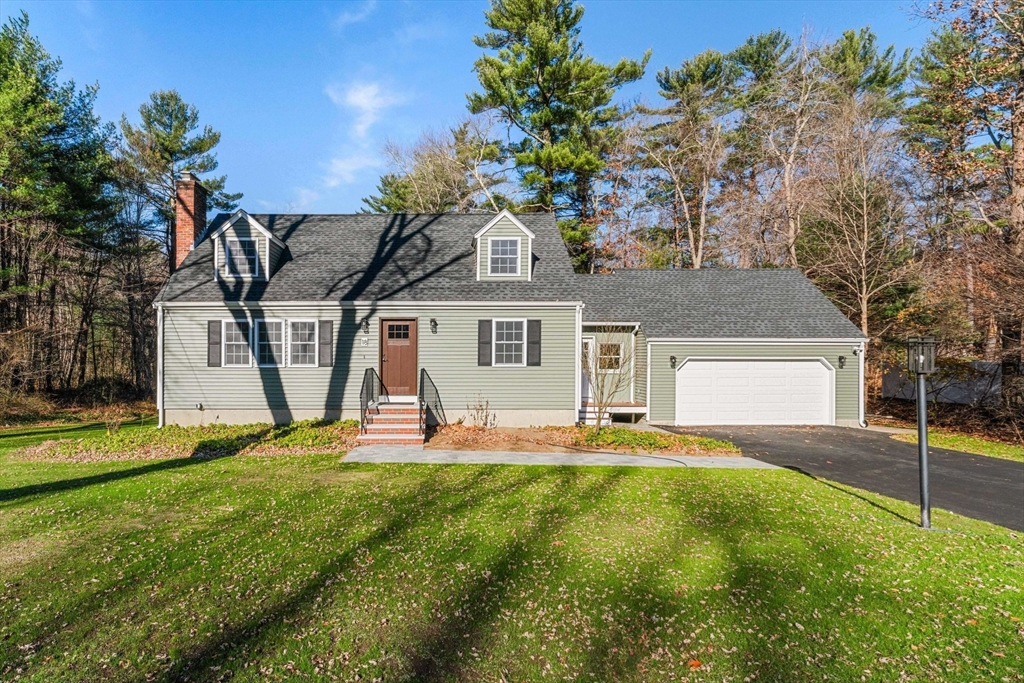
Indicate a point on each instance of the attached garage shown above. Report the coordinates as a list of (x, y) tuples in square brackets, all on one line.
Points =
[(735, 347), (740, 391)]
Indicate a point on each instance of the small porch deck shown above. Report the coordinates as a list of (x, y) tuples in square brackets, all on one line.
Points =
[(633, 410)]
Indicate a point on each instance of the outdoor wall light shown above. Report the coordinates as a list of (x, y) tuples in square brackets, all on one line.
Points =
[(842, 362), (672, 361), (433, 326), (366, 326)]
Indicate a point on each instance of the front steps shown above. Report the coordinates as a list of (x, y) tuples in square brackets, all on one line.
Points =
[(392, 424)]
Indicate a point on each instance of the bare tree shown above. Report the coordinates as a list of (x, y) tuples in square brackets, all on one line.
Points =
[(857, 242), (786, 125), (457, 170), (608, 368)]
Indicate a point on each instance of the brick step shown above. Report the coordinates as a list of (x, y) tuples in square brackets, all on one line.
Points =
[(396, 410), (393, 419), (392, 429), (391, 439)]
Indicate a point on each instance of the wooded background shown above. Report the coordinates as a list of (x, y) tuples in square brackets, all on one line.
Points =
[(889, 178)]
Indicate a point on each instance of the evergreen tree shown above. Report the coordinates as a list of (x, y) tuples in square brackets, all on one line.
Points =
[(540, 81), (393, 196), (166, 143)]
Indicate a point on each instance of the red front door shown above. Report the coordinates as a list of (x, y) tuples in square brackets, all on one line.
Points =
[(398, 356)]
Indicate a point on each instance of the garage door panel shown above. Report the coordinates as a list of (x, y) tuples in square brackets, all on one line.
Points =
[(770, 392)]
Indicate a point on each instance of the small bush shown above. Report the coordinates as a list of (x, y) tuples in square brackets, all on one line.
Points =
[(623, 437)]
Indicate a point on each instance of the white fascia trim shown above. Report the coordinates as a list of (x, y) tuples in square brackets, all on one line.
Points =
[(751, 340), (160, 365), (253, 223), (372, 304), (505, 213), (609, 324), (828, 366)]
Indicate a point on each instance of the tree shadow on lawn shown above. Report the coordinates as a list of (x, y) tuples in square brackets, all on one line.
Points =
[(433, 657), (751, 603), (847, 492), (205, 451)]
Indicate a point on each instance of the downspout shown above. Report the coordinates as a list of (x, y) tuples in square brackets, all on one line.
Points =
[(159, 364), (579, 361), (860, 384), (648, 418)]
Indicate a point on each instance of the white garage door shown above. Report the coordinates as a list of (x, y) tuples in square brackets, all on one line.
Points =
[(753, 392)]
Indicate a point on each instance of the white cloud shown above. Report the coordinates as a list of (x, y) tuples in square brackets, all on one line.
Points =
[(344, 169), (304, 198), (367, 100), (355, 16)]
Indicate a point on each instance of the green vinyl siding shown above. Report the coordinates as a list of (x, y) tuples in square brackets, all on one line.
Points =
[(504, 229), (640, 363), (276, 252), (634, 361), (449, 356), (663, 376)]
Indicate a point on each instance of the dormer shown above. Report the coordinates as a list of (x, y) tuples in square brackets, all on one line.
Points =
[(504, 250), (244, 250)]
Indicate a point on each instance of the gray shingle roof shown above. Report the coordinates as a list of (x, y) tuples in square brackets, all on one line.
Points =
[(373, 257), (714, 304), (430, 257)]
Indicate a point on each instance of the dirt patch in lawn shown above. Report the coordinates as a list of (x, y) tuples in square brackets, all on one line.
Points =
[(574, 440)]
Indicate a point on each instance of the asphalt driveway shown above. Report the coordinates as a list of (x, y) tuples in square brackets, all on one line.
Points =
[(971, 485)]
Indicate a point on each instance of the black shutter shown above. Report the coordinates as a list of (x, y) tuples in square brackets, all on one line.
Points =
[(483, 342), (213, 328), (533, 342), (326, 342)]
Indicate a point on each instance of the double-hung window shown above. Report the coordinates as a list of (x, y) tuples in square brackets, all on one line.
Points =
[(509, 342), (504, 256), (240, 257), (302, 343), (609, 357), (236, 344), (269, 342)]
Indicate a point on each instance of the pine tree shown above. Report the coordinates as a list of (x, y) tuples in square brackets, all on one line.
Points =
[(165, 144), (540, 82), (393, 196)]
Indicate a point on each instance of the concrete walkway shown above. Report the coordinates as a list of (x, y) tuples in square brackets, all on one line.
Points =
[(415, 454)]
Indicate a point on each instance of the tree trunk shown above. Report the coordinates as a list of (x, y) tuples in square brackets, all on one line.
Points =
[(1016, 233)]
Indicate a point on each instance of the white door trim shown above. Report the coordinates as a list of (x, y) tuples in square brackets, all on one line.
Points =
[(828, 366)]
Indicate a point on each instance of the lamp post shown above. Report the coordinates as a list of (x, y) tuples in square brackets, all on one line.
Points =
[(921, 361)]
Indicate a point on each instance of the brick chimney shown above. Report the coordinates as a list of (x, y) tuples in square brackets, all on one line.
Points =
[(189, 216)]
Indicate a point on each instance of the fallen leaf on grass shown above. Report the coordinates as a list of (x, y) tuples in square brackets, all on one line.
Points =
[(693, 664)]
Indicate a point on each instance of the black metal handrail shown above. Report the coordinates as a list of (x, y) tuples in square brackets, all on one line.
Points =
[(430, 402), (371, 391)]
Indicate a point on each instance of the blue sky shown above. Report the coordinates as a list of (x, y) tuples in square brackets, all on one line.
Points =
[(306, 94)]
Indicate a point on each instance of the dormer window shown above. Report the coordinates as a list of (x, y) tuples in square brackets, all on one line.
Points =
[(503, 256), (241, 257)]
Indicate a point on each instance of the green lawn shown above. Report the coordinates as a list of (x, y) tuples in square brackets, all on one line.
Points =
[(253, 568), (968, 444)]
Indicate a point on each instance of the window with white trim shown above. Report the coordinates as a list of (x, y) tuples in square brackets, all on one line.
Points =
[(241, 257), (609, 356), (504, 256), (509, 342), (236, 344), (269, 342), (302, 343)]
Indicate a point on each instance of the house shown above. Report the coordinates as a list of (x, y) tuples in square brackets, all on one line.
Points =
[(397, 319)]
